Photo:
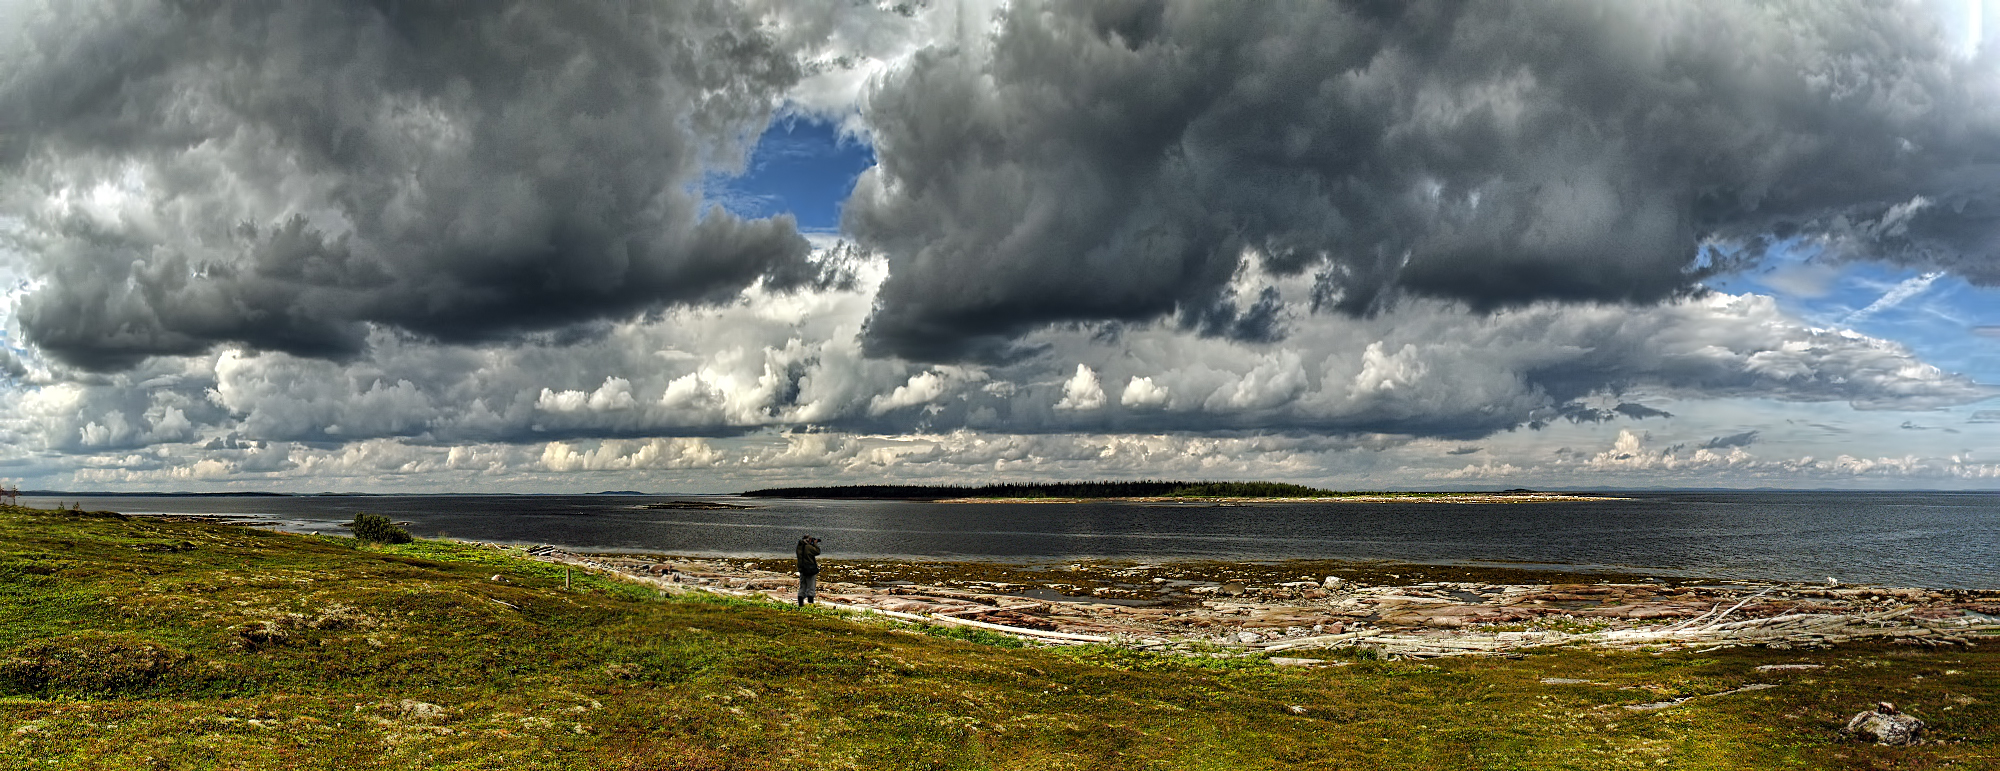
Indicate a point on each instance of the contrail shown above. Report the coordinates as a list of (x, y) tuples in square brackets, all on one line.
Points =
[(1895, 296)]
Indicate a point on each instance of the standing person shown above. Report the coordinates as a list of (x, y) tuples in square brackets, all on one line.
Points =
[(808, 570)]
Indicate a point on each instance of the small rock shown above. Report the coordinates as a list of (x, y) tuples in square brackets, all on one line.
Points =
[(1248, 637), (1885, 725), (421, 711), (253, 635), (341, 617)]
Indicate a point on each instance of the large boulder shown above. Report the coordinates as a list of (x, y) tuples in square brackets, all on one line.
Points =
[(1885, 725)]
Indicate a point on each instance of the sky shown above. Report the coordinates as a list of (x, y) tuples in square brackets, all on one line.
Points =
[(715, 245)]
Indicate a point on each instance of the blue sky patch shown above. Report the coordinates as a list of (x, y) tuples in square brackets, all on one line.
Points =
[(1947, 321), (800, 165)]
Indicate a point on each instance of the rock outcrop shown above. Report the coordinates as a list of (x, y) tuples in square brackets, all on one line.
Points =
[(1885, 725)]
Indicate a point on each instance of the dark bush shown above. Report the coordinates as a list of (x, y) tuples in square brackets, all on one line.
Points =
[(378, 528)]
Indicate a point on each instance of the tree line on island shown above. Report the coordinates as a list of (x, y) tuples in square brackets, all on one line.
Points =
[(1140, 489)]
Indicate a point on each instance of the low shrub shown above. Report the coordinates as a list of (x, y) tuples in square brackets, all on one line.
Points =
[(378, 529)]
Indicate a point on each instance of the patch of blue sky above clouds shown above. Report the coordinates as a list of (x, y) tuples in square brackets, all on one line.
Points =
[(802, 166), (1945, 320)]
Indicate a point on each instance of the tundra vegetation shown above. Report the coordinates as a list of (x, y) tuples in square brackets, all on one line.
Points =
[(130, 643)]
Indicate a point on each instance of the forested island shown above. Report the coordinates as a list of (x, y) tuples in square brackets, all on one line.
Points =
[(1140, 489), (1147, 490)]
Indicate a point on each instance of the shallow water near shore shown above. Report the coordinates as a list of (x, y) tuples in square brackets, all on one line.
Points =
[(1942, 540)]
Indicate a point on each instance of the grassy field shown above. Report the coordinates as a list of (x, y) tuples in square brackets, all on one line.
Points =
[(136, 644)]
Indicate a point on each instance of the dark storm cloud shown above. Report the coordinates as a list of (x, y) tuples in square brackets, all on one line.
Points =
[(280, 174), (1117, 160), (1640, 411), (1744, 439), (1577, 412)]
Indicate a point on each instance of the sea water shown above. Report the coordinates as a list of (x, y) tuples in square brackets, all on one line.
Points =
[(1886, 538)]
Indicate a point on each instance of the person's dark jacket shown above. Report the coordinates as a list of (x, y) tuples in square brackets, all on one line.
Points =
[(808, 558)]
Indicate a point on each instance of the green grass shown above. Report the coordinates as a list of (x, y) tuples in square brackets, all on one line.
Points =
[(137, 644)]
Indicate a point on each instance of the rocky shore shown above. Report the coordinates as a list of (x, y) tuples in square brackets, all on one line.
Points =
[(1405, 611)]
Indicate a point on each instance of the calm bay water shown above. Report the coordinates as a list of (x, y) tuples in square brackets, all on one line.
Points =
[(1906, 539)]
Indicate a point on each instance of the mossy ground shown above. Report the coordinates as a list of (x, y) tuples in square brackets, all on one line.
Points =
[(135, 644)]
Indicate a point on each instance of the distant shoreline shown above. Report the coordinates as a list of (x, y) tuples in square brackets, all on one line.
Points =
[(1158, 491)]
